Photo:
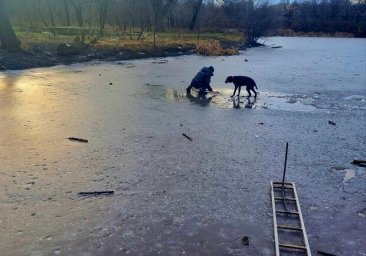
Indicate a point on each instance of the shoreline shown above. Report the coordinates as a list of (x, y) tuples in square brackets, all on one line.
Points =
[(46, 54), (38, 59)]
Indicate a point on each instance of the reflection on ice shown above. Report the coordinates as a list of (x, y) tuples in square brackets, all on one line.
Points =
[(349, 174), (270, 100), (266, 100), (356, 97)]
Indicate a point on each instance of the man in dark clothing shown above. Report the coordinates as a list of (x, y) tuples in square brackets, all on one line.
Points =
[(202, 80)]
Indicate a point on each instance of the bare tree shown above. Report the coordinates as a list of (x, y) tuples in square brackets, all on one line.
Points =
[(78, 8), (8, 38), (40, 11), (103, 11), (31, 18), (67, 12), (196, 9), (160, 9), (50, 5), (254, 18), (258, 19)]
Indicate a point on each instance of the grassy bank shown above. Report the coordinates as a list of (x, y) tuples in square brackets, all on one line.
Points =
[(122, 42), (40, 49)]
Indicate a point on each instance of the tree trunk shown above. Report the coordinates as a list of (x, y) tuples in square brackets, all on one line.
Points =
[(28, 15), (8, 39), (132, 20), (41, 15), (67, 12), (143, 26), (50, 11), (78, 8), (160, 10), (155, 27), (196, 10), (103, 11)]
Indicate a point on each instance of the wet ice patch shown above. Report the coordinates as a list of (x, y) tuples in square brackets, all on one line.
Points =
[(353, 102), (334, 101), (160, 61), (148, 84), (171, 94), (265, 100), (356, 98), (349, 174), (319, 101), (275, 101), (287, 103)]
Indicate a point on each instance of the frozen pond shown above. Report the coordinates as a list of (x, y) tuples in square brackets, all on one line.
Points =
[(174, 196)]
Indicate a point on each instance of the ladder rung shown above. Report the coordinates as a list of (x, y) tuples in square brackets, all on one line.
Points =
[(285, 183), (287, 199), (280, 187), (292, 246), (289, 228), (286, 212)]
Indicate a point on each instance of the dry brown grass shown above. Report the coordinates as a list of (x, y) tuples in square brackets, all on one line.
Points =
[(214, 48), (117, 44), (205, 44), (145, 45)]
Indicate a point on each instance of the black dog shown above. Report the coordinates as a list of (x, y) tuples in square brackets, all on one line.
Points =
[(240, 81)]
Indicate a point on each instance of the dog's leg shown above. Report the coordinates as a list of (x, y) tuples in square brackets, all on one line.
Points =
[(234, 91), (255, 93), (248, 90), (239, 91)]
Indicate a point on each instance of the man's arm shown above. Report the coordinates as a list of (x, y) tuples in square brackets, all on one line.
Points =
[(208, 87)]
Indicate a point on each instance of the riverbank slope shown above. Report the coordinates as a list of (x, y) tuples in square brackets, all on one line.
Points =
[(42, 50)]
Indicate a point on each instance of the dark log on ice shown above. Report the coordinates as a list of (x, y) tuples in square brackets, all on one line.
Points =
[(78, 140), (185, 135), (361, 163), (96, 193)]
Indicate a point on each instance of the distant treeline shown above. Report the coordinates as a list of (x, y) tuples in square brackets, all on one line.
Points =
[(325, 16), (253, 17)]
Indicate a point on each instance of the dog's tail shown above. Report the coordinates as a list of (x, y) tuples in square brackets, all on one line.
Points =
[(255, 85)]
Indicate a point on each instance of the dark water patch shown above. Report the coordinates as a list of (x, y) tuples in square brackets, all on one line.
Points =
[(154, 85), (160, 62), (124, 64), (267, 100), (176, 95), (360, 98)]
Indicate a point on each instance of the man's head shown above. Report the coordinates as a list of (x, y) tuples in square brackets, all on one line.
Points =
[(229, 79), (211, 68)]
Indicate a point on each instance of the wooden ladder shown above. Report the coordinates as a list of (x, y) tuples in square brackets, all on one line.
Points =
[(289, 229)]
